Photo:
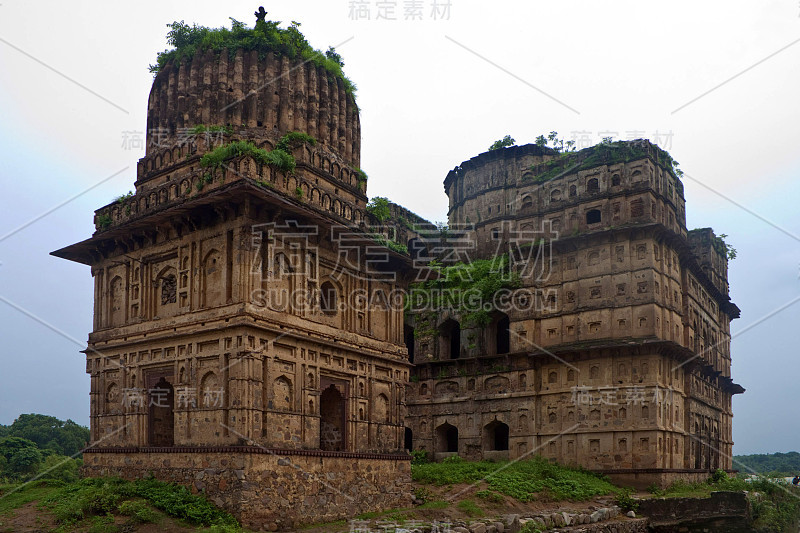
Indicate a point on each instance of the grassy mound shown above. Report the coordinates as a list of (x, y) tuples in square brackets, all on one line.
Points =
[(91, 497), (523, 480)]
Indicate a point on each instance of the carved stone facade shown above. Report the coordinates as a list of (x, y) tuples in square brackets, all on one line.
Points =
[(236, 308), (247, 327), (613, 354)]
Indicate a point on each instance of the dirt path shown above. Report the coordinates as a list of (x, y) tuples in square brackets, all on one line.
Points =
[(28, 519)]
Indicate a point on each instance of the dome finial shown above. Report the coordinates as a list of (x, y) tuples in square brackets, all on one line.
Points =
[(260, 14)]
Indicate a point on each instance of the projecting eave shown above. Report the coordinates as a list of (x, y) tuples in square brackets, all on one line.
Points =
[(80, 252), (117, 237)]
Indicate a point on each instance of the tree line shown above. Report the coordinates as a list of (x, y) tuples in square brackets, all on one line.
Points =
[(779, 464), (41, 445)]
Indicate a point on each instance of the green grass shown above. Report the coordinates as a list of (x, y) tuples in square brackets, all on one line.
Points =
[(14, 496), (436, 504), (523, 480), (469, 508)]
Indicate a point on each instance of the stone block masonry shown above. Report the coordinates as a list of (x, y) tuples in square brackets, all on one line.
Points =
[(269, 489)]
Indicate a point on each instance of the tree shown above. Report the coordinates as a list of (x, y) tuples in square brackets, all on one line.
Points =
[(21, 455), (334, 56), (379, 208), (503, 143)]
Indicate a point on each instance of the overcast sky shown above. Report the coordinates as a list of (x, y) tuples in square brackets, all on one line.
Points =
[(433, 92)]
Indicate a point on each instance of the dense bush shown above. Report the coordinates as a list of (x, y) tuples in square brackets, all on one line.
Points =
[(469, 286), (99, 496), (60, 468)]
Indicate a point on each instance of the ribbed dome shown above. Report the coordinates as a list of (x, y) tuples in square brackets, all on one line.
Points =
[(269, 95)]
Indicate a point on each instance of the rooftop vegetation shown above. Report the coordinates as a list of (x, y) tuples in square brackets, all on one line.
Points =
[(281, 157), (266, 38), (469, 286), (568, 161), (502, 143)]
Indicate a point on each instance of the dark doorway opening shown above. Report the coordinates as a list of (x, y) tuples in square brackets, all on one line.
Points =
[(408, 337), (408, 441), (447, 438), (331, 421), (161, 414), (503, 335), (496, 436), (450, 338)]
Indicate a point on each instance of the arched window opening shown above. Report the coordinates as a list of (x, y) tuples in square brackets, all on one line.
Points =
[(161, 415), (527, 202), (495, 436), (408, 337), (555, 195), (593, 216), (447, 438), (327, 298), (615, 180), (592, 185), (450, 339), (502, 334), (408, 439), (573, 191), (331, 422)]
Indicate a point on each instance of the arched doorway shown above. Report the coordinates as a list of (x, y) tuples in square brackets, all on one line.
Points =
[(495, 436), (331, 421), (161, 415), (447, 438)]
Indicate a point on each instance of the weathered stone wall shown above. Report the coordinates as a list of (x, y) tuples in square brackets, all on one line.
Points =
[(723, 512), (270, 489), (240, 306), (618, 340), (272, 95)]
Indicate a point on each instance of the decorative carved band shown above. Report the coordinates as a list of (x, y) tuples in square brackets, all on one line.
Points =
[(249, 449)]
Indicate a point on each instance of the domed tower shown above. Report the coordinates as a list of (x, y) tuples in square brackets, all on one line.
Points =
[(242, 323), (247, 94)]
